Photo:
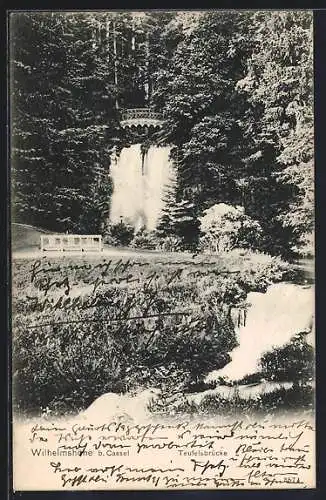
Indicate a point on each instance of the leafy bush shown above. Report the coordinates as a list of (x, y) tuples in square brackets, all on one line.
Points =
[(145, 239), (225, 227), (119, 234), (171, 244), (294, 361), (256, 270)]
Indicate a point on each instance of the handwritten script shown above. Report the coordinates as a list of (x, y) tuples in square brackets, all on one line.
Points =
[(165, 455), (151, 297)]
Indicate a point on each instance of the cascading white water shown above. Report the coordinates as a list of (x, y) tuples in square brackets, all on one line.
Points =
[(273, 319), (138, 185)]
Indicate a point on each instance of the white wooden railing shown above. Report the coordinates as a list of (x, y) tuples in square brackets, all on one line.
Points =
[(71, 242)]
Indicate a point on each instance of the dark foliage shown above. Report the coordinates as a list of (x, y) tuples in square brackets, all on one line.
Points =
[(236, 92), (109, 345), (294, 361)]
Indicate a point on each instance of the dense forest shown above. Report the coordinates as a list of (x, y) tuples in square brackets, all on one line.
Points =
[(236, 92)]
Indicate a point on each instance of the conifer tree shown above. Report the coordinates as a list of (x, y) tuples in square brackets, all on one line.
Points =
[(236, 92), (279, 126), (62, 111), (178, 216)]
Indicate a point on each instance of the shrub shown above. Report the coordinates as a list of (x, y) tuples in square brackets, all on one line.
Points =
[(145, 239), (171, 244), (225, 227), (294, 362), (119, 234)]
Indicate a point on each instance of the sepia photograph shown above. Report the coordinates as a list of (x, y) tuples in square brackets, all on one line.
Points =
[(162, 249)]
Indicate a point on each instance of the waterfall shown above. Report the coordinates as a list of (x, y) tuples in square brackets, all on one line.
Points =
[(273, 318), (138, 185)]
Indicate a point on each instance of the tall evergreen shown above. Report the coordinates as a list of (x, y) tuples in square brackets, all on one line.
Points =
[(236, 92), (62, 111), (238, 101), (279, 127), (203, 108), (35, 60)]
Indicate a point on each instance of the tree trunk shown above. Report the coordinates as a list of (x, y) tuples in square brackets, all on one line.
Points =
[(115, 63)]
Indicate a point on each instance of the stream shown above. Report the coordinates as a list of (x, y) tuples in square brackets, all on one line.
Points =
[(273, 318)]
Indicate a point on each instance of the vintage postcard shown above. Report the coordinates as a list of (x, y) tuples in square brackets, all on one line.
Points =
[(162, 221)]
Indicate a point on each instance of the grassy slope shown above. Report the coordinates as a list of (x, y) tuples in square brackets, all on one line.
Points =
[(110, 345), (24, 237)]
